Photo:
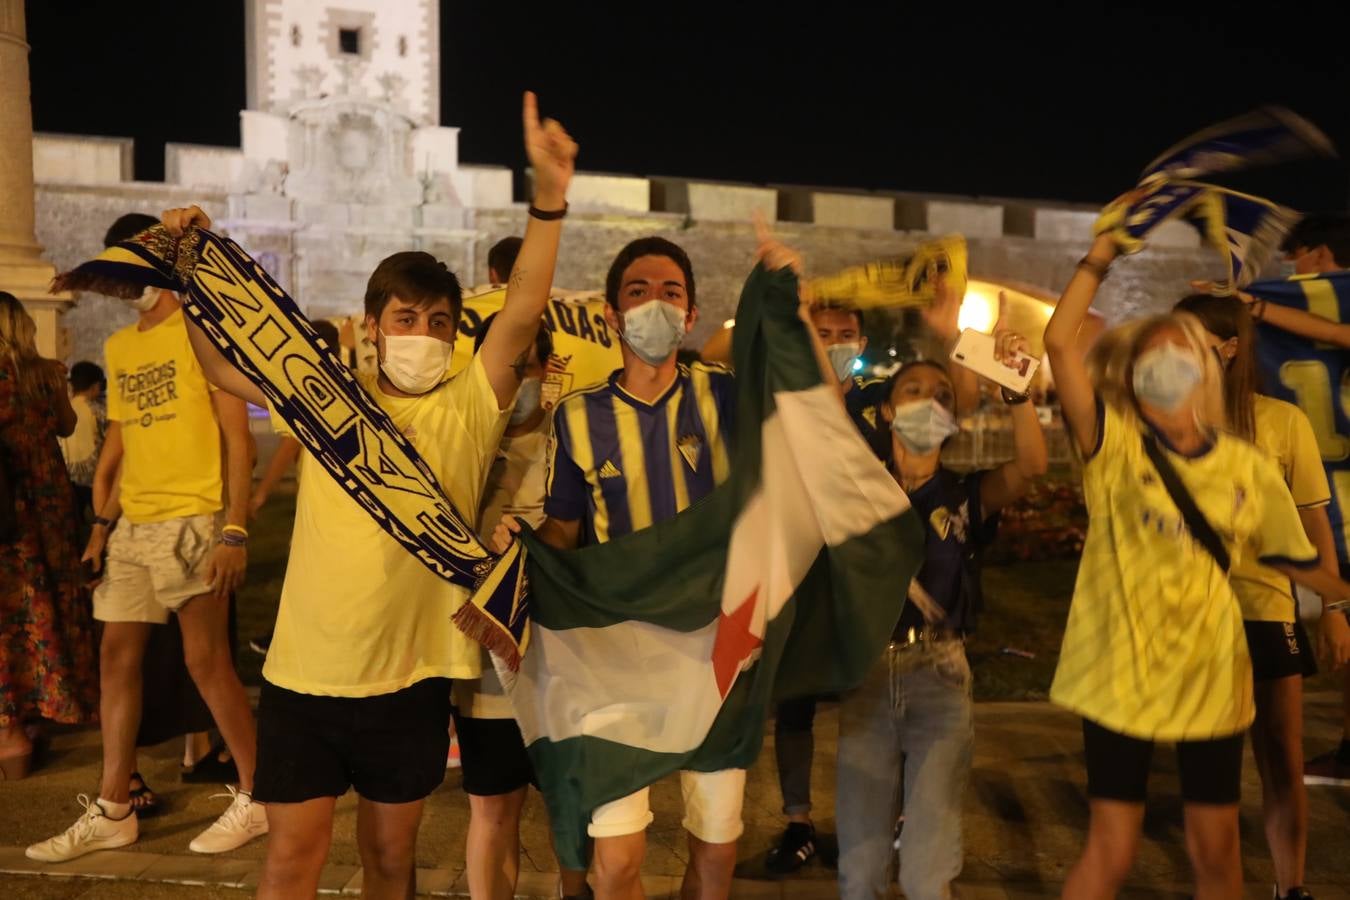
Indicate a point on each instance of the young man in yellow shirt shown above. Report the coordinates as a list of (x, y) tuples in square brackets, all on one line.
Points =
[(168, 551), (357, 690)]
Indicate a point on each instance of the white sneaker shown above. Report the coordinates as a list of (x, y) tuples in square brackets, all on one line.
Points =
[(91, 831), (238, 825)]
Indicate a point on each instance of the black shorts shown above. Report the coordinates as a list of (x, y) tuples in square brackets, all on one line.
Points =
[(1117, 767), (492, 756), (1279, 650), (391, 747)]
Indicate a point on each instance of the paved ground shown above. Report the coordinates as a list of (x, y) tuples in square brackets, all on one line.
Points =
[(1024, 820)]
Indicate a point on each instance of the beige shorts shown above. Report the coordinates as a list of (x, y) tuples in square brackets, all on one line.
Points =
[(154, 568), (712, 808)]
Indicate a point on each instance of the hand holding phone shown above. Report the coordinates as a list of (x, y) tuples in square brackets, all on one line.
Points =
[(981, 353)]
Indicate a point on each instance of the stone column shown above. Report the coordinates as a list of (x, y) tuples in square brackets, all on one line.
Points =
[(23, 272)]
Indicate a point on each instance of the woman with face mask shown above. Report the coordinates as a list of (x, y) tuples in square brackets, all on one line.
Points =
[(1154, 649), (914, 708)]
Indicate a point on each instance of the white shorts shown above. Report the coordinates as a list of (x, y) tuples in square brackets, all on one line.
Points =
[(154, 568), (712, 808)]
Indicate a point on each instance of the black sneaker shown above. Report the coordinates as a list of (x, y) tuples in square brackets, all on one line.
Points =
[(797, 845), (260, 645), (1297, 893)]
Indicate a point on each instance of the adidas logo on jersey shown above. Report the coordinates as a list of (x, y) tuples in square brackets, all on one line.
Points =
[(609, 470)]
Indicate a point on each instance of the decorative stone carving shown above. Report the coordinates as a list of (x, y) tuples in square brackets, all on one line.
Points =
[(348, 150)]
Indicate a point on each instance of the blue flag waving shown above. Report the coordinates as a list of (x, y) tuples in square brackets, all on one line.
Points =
[(1244, 229)]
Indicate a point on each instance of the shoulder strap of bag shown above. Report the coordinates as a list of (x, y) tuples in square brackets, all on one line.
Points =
[(1195, 520)]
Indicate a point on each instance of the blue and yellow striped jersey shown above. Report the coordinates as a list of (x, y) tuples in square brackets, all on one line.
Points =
[(619, 464)]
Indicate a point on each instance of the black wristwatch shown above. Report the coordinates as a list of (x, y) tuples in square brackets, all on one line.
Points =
[(1012, 399), (106, 523)]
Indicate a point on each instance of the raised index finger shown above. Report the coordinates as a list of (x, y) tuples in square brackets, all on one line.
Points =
[(530, 112)]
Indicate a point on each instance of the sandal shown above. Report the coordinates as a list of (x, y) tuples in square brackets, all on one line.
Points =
[(144, 801), (211, 769)]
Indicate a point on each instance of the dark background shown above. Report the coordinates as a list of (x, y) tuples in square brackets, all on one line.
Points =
[(1048, 101)]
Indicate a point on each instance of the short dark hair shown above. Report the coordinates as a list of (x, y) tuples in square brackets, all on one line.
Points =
[(84, 375), (849, 308), (502, 256), (329, 332), (415, 277), (1314, 230), (127, 227), (543, 339), (648, 246)]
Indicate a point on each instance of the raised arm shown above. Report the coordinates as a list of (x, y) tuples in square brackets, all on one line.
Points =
[(773, 254), (1297, 321), (943, 317), (1010, 482), (215, 367), (1076, 395), (552, 154)]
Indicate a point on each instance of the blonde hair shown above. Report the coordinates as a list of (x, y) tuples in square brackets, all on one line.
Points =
[(18, 345), (1110, 365)]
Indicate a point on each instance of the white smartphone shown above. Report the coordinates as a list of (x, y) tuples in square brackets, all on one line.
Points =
[(975, 351)]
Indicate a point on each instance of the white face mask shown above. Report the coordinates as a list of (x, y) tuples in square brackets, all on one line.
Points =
[(415, 363), (842, 358), (527, 400), (922, 425), (1166, 376), (654, 330), (146, 301)]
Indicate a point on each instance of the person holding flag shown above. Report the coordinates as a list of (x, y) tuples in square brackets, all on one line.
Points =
[(628, 457)]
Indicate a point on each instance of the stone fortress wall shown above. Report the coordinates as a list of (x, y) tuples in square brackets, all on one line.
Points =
[(324, 251)]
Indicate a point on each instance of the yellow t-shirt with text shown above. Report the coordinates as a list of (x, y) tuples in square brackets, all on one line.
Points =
[(360, 616), (170, 436), (1154, 647), (1285, 435)]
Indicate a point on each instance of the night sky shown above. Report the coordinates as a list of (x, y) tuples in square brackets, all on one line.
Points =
[(1060, 102)]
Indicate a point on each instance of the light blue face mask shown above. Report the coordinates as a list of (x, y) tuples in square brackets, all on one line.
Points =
[(527, 400), (1166, 377), (842, 358), (654, 330), (922, 425)]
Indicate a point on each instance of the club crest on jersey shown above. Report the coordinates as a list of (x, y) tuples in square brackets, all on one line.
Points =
[(690, 447)]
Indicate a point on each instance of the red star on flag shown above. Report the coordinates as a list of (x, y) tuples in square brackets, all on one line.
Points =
[(735, 643)]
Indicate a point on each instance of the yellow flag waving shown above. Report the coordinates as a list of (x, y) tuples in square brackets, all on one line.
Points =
[(899, 281), (585, 350)]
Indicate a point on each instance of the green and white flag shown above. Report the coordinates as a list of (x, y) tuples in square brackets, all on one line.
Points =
[(664, 649)]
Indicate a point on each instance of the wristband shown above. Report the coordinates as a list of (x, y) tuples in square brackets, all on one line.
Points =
[(1012, 399), (1101, 270), (547, 215), (100, 520)]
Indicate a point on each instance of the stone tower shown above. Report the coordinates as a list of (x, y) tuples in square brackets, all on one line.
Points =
[(344, 157), (386, 50)]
